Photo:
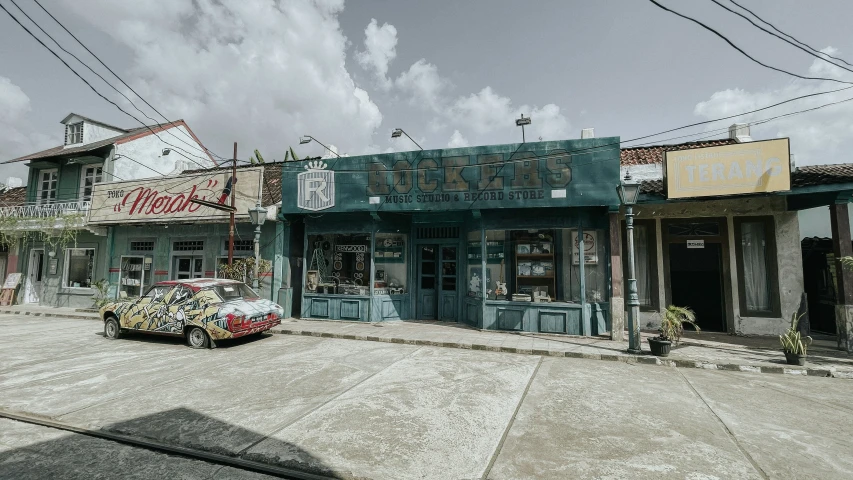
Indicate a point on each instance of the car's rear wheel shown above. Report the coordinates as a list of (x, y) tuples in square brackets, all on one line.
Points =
[(112, 329), (197, 338)]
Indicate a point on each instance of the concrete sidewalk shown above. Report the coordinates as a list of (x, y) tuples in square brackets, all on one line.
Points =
[(697, 350), (710, 351)]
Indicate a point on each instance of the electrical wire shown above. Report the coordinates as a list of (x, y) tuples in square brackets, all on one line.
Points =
[(204, 148), (779, 36), (706, 27), (177, 149), (790, 36)]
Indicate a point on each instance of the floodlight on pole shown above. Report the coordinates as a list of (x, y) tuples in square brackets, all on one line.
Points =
[(308, 138), (399, 131), (521, 122)]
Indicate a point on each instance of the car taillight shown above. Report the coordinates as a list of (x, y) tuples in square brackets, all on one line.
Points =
[(235, 322)]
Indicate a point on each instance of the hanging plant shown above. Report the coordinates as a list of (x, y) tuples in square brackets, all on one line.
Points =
[(55, 232)]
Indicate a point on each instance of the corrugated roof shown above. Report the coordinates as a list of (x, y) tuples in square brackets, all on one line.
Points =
[(13, 197), (654, 153)]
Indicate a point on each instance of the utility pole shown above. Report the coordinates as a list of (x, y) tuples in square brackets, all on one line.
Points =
[(233, 192)]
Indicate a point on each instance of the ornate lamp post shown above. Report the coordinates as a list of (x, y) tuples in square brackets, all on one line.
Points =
[(258, 216), (629, 192)]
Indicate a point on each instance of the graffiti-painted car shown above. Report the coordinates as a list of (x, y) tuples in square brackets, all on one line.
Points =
[(203, 310)]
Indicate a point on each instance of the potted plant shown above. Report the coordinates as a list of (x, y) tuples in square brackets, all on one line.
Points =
[(671, 329), (793, 344)]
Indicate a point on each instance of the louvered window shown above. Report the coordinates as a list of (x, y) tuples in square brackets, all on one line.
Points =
[(188, 246), (74, 133)]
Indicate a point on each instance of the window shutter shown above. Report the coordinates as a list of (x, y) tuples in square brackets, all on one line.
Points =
[(66, 134)]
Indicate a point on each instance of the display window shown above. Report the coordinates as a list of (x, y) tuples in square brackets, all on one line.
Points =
[(544, 265), (338, 264), (79, 267), (391, 263)]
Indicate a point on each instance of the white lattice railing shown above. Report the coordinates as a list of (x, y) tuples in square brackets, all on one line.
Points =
[(46, 210)]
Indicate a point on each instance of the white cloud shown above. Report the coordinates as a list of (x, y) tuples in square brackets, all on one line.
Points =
[(18, 137), (492, 117), (424, 85), (457, 140), (381, 43), (261, 73), (820, 136)]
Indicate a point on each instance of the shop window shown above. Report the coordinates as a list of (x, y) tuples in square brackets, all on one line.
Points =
[(544, 265), (338, 263), (496, 272), (142, 245), (240, 245), (188, 246), (79, 267), (756, 253), (389, 257), (645, 259)]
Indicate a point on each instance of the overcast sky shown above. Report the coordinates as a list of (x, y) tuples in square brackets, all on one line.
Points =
[(450, 73)]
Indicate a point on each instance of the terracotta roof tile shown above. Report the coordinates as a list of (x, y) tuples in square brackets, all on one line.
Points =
[(13, 197), (822, 175), (654, 153)]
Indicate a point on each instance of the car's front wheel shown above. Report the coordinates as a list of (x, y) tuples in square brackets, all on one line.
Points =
[(197, 338), (112, 329)]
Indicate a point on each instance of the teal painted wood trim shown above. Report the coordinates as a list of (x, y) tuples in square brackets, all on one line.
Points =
[(564, 318), (336, 307), (281, 264), (390, 307), (69, 182), (484, 287), (536, 174)]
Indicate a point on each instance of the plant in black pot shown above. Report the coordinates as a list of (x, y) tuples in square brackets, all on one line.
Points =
[(671, 329), (794, 344)]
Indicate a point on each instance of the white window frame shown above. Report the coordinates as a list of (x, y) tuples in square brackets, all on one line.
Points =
[(95, 177), (54, 180), (67, 262), (74, 133)]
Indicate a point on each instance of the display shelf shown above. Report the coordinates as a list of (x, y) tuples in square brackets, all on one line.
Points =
[(534, 253)]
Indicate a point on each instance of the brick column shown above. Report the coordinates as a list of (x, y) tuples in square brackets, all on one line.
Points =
[(617, 298), (842, 246)]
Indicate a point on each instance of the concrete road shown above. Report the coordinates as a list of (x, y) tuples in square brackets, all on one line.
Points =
[(353, 409)]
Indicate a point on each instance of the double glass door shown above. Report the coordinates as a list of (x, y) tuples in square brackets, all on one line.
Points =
[(437, 279), (186, 267)]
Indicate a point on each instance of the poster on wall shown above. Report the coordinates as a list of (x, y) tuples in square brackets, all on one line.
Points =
[(590, 248), (166, 199), (12, 280)]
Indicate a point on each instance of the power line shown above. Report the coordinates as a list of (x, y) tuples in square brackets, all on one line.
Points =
[(706, 27), (177, 149), (204, 148), (778, 36), (790, 36)]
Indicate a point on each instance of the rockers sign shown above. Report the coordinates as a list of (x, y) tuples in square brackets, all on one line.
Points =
[(316, 187)]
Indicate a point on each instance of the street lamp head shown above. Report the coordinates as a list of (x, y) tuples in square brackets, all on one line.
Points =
[(628, 190), (166, 151), (396, 133), (304, 139), (258, 215)]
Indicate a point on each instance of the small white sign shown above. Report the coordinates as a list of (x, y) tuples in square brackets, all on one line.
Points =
[(558, 193), (696, 244)]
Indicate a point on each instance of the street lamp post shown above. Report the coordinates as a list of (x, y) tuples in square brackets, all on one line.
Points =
[(258, 216), (628, 192)]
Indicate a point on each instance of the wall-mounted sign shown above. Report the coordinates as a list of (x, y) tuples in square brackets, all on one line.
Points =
[(351, 248), (590, 248), (168, 199), (751, 167), (696, 244), (12, 280), (538, 174), (52, 266)]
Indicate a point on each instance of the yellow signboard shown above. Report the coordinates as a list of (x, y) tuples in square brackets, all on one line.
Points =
[(752, 167)]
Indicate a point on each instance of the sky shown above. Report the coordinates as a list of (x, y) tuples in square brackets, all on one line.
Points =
[(449, 73)]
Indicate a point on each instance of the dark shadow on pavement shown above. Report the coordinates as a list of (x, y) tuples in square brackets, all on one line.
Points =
[(76, 456)]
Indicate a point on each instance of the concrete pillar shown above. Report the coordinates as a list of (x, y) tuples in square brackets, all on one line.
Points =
[(617, 297), (842, 246)]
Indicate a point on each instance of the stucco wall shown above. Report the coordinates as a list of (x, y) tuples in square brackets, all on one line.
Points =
[(788, 261), (93, 132), (149, 161)]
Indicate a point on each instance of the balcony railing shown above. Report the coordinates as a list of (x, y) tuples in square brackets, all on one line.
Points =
[(46, 210)]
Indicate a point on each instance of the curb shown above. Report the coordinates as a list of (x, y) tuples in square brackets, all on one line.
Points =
[(42, 314), (640, 359)]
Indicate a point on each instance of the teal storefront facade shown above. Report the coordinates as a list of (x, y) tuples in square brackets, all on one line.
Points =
[(488, 236)]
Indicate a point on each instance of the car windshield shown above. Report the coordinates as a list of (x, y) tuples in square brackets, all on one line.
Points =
[(234, 291)]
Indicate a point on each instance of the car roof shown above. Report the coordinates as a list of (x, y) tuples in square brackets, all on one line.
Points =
[(197, 284)]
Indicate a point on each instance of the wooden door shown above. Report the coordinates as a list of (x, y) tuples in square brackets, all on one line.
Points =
[(428, 282)]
